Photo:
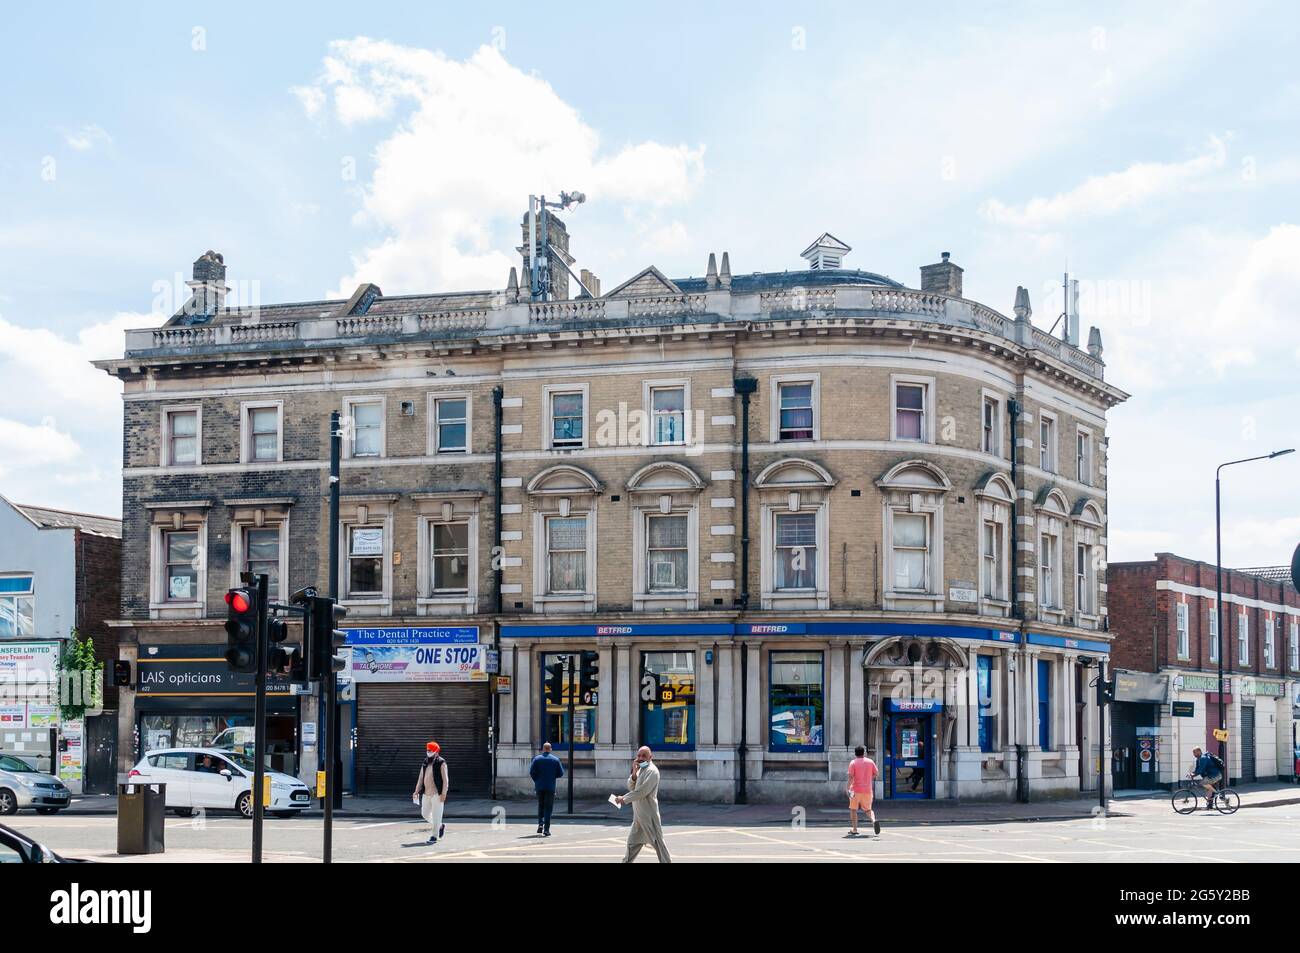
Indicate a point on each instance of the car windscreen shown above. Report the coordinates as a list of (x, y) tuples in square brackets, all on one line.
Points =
[(243, 760), (17, 765)]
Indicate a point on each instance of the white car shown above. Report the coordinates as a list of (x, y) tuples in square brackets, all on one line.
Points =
[(212, 779)]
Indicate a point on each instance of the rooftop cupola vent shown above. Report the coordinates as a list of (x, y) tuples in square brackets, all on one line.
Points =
[(826, 252)]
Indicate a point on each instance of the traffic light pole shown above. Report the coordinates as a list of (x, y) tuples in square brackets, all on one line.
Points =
[(259, 719), (1101, 736), (573, 697), (329, 680)]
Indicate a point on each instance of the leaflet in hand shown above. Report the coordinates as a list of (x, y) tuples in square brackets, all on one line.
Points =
[(613, 799)]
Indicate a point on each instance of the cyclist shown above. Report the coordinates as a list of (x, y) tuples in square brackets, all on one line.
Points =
[(1209, 771)]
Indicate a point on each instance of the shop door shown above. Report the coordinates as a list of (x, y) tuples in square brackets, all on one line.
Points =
[(909, 756), (1247, 743), (394, 722), (100, 753), (1123, 746)]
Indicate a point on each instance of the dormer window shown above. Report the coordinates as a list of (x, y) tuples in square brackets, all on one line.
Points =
[(826, 252)]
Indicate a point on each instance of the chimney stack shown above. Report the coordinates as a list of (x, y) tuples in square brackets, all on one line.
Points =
[(711, 272), (943, 277), (1022, 308), (556, 257), (591, 282), (1094, 342), (725, 278), (208, 287)]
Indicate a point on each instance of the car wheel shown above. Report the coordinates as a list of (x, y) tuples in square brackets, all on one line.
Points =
[(47, 810), (245, 804), (8, 802), (183, 811)]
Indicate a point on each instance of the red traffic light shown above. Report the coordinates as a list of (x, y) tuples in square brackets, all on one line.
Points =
[(237, 599)]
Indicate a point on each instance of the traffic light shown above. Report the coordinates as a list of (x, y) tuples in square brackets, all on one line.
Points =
[(241, 629), (326, 638), (279, 660), (589, 678), (1105, 692), (554, 685)]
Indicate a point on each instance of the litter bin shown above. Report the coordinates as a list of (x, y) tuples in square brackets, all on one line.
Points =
[(140, 812)]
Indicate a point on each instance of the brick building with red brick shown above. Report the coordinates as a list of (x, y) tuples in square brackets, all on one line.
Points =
[(1163, 621)]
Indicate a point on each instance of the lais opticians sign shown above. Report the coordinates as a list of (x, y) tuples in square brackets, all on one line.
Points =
[(443, 654)]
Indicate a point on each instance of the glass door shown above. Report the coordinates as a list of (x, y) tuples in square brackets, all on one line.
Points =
[(909, 755)]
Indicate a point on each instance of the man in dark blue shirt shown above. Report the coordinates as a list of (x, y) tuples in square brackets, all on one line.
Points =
[(545, 770), (1207, 769)]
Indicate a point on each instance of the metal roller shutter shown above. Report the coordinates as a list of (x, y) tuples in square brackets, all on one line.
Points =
[(394, 722), (1247, 743)]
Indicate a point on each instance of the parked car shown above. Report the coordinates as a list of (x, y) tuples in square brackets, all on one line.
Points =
[(215, 779), (21, 785), (16, 848)]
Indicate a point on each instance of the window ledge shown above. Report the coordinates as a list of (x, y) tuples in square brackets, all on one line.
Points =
[(584, 602), (368, 606), (446, 605)]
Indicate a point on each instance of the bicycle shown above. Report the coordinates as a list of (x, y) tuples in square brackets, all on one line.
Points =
[(1186, 798)]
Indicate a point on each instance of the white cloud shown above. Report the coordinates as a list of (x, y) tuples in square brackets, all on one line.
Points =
[(87, 137), (27, 446), (1103, 195), (473, 139)]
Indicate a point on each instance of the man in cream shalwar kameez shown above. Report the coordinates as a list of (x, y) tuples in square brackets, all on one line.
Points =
[(643, 794)]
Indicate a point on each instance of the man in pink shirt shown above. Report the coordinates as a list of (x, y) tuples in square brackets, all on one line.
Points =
[(862, 779)]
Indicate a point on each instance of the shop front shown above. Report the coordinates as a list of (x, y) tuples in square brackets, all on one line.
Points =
[(186, 696), (776, 708), (410, 686), (30, 726), (1139, 740)]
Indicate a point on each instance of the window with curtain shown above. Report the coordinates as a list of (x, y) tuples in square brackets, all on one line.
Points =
[(566, 419), (796, 551), (992, 560), (668, 410), (367, 428), (909, 411), (181, 579), (1184, 641), (566, 553), (264, 433), (183, 444), (911, 552), (667, 553), (796, 411), (262, 555), (17, 607)]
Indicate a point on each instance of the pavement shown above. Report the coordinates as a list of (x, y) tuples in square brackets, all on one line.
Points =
[(1269, 794)]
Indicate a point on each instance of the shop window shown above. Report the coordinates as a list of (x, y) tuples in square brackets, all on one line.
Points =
[(795, 701), (984, 687), (17, 607), (262, 555), (555, 716), (365, 574), (1045, 705), (668, 700)]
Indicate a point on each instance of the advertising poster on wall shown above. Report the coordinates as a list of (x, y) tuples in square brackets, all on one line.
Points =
[(13, 716), (424, 654)]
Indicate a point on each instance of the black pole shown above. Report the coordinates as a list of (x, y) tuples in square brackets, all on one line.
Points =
[(1218, 614), (573, 692), (1101, 737), (259, 719), (329, 681), (1013, 412), (497, 577), (745, 387)]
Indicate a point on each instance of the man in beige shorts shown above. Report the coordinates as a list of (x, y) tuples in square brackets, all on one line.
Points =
[(862, 780)]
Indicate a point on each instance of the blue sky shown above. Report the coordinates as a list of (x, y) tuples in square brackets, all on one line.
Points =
[(1154, 149)]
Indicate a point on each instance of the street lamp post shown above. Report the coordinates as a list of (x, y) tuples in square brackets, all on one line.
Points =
[(1218, 593)]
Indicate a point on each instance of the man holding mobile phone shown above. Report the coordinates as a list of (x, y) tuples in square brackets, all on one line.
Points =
[(643, 795)]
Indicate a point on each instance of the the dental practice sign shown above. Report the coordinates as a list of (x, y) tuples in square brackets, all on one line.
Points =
[(421, 654)]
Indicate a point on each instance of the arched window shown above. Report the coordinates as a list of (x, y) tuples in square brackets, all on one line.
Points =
[(912, 494), (794, 504)]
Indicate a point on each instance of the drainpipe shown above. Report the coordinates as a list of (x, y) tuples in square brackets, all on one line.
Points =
[(745, 387), (496, 575), (1014, 410)]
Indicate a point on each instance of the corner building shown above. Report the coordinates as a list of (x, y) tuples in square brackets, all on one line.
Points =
[(907, 551)]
